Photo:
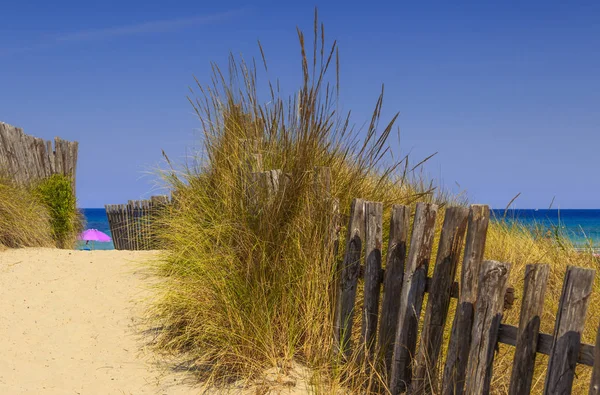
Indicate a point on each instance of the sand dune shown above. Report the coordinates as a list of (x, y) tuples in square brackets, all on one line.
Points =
[(69, 324)]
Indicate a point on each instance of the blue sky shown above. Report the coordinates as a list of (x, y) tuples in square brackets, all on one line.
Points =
[(507, 93)]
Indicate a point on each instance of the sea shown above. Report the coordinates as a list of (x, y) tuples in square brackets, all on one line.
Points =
[(96, 218), (582, 227)]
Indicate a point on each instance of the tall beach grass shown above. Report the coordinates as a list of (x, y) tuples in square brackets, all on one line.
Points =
[(247, 286)]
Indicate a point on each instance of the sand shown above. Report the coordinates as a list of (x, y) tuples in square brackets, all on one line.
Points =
[(70, 324)]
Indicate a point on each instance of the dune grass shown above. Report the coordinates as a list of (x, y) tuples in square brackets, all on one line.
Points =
[(247, 286), (41, 215), (24, 220)]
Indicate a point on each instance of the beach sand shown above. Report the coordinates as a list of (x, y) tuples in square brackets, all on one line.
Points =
[(70, 324)]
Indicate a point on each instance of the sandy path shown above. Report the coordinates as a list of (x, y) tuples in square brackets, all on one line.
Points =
[(68, 325)]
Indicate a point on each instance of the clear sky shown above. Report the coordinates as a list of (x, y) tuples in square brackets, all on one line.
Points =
[(507, 93)]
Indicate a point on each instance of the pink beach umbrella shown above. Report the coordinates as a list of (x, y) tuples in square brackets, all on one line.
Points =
[(94, 235)]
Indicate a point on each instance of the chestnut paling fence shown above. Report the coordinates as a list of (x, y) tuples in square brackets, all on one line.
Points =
[(133, 225), (27, 159), (389, 333)]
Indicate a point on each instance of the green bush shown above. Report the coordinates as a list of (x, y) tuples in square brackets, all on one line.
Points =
[(56, 193)]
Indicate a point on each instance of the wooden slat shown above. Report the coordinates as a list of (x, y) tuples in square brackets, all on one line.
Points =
[(122, 226), (536, 277), (111, 222), (488, 314), (394, 273), (438, 301), (411, 299), (570, 320), (372, 284), (26, 159), (127, 215), (595, 381), (507, 334), (349, 278), (460, 339)]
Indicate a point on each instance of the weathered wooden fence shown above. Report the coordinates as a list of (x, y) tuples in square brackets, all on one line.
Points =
[(27, 159), (133, 225), (389, 333)]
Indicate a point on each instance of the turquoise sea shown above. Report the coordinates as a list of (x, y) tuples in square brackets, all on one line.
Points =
[(581, 226), (96, 219)]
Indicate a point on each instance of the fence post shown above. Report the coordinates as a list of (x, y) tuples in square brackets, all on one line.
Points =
[(411, 299), (488, 314), (372, 284), (570, 320), (536, 277), (349, 278), (392, 287), (595, 382), (460, 338), (438, 301)]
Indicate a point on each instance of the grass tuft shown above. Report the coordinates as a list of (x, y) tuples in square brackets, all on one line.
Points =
[(24, 220), (248, 275)]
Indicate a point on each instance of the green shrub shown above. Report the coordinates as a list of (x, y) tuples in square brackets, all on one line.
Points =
[(56, 193)]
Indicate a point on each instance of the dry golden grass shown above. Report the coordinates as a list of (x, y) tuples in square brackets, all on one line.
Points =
[(24, 220), (247, 288), (517, 245)]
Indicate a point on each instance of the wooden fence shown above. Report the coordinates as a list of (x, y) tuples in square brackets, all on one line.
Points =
[(27, 159), (391, 331), (133, 225)]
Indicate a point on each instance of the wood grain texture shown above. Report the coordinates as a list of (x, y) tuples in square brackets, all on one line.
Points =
[(349, 278), (507, 334), (27, 159), (570, 320), (460, 339), (372, 279), (536, 277), (411, 299), (488, 315), (438, 301), (595, 381), (392, 287)]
